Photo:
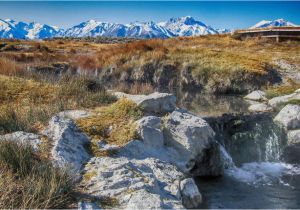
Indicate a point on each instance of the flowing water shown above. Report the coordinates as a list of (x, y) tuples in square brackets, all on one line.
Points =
[(256, 177)]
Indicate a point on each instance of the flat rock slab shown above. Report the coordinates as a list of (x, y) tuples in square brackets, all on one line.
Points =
[(135, 183), (260, 107), (153, 103), (24, 138), (74, 114)]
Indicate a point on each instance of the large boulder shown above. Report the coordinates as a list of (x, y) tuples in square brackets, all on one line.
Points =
[(257, 95), (148, 128), (194, 140), (289, 117), (191, 197), (24, 138), (153, 103), (69, 144)]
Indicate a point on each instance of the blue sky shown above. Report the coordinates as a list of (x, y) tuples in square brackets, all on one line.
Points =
[(218, 14)]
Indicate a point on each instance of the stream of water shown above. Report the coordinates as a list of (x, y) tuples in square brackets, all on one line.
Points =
[(257, 178)]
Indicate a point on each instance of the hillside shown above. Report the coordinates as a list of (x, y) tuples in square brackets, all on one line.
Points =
[(215, 63)]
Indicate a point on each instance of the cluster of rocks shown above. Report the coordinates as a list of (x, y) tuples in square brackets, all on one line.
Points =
[(288, 118), (153, 171), (258, 102)]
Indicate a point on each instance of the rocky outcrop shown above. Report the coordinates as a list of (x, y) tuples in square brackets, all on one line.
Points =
[(151, 172), (69, 143), (257, 95), (289, 117), (24, 138), (260, 107), (158, 103)]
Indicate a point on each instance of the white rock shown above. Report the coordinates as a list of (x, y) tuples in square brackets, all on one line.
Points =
[(148, 129), (297, 91), (135, 182), (144, 200), (23, 137), (193, 138), (153, 103), (191, 197), (260, 108), (74, 114), (294, 137), (84, 205), (68, 144), (274, 102), (289, 117), (257, 95)]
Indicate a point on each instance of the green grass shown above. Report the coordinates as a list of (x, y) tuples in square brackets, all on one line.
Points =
[(27, 181)]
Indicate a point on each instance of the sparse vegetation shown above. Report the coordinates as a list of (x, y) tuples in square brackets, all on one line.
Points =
[(29, 182), (115, 124)]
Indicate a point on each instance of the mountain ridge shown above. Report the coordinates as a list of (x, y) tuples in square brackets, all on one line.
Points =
[(174, 27)]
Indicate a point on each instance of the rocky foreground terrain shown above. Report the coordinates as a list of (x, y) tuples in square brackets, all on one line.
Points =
[(155, 169)]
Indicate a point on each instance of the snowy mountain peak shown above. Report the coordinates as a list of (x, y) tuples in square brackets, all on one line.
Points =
[(21, 30), (273, 23), (187, 26)]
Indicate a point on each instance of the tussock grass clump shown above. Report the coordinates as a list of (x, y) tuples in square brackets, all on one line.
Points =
[(115, 124), (27, 181)]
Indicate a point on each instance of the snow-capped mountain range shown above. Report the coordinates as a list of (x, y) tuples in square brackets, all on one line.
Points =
[(273, 23), (184, 26)]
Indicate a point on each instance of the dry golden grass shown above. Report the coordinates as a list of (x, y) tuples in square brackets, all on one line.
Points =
[(214, 53), (28, 105), (29, 182), (115, 124)]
